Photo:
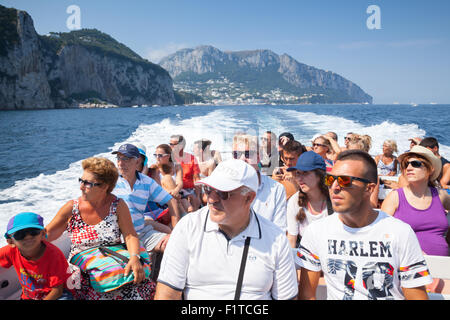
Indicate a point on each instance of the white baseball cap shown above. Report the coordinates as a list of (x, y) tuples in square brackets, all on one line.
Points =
[(232, 174)]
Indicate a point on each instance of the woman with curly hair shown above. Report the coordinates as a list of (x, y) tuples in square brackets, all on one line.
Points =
[(312, 201)]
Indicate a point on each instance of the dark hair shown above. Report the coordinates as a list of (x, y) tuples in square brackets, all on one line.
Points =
[(203, 143), (293, 146), (287, 135), (167, 149), (429, 142), (165, 168), (303, 197), (371, 172)]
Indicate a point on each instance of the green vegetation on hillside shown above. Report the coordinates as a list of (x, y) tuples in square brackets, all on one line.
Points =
[(99, 42)]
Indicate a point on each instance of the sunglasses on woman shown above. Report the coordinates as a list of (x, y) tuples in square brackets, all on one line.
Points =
[(414, 163), (160, 155), (318, 145), (343, 181), (21, 234), (88, 184), (224, 195)]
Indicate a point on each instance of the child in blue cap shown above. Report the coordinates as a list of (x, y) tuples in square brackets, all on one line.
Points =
[(41, 267)]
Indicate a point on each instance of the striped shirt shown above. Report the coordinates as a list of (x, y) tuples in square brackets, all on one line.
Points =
[(145, 189)]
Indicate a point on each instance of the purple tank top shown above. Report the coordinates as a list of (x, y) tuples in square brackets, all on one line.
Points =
[(430, 225)]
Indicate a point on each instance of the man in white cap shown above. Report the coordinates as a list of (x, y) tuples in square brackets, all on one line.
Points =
[(225, 250)]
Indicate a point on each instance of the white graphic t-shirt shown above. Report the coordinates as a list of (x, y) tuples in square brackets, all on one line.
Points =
[(372, 262)]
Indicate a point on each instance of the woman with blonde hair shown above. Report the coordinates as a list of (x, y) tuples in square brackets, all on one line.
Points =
[(387, 163), (99, 218), (322, 146)]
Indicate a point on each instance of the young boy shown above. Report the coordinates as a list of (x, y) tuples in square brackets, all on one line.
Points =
[(41, 266)]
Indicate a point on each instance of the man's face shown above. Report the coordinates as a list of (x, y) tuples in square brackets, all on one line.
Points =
[(290, 158), (230, 212), (127, 166), (175, 145), (349, 199)]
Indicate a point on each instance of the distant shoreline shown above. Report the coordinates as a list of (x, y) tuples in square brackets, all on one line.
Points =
[(108, 105)]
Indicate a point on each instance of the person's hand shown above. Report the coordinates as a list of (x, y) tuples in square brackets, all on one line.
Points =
[(161, 246), (284, 140), (134, 265), (175, 194)]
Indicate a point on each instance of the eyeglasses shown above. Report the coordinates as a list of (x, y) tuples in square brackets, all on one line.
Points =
[(343, 181), (21, 234), (238, 154), (224, 195), (125, 158), (160, 155), (173, 144), (88, 184), (318, 145), (414, 164)]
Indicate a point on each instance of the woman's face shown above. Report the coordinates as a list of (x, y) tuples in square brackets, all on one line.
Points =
[(387, 150), (320, 147), (306, 180), (162, 156), (90, 191), (416, 171)]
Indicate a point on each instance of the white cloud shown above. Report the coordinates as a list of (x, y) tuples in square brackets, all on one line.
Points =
[(156, 54)]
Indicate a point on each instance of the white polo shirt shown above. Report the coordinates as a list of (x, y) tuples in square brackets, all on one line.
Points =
[(270, 201), (201, 261)]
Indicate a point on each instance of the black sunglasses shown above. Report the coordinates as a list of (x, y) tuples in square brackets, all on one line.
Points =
[(414, 164), (238, 154), (21, 234), (224, 195), (88, 184), (343, 181)]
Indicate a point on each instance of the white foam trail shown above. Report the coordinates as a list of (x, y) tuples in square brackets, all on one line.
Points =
[(320, 124), (46, 194)]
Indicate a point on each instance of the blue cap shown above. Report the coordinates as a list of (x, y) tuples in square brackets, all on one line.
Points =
[(309, 161), (128, 150), (24, 220)]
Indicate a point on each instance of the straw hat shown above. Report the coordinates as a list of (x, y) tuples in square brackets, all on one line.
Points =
[(427, 154)]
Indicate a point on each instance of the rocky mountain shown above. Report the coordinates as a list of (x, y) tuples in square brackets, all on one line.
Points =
[(63, 70), (257, 75)]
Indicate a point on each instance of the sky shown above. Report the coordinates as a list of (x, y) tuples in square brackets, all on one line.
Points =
[(398, 53)]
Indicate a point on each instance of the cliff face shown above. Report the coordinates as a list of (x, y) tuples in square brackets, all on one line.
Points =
[(263, 71), (23, 81), (63, 70)]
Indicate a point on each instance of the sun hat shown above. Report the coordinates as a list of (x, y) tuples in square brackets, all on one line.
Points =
[(427, 154), (142, 150), (309, 161), (24, 220), (128, 150), (232, 174)]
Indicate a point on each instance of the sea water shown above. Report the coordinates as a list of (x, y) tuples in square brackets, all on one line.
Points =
[(42, 150)]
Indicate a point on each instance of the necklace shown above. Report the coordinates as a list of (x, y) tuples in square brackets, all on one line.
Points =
[(317, 212)]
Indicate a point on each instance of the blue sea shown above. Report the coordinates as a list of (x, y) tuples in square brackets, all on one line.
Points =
[(42, 150)]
